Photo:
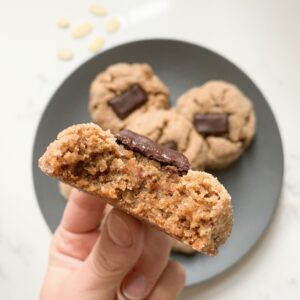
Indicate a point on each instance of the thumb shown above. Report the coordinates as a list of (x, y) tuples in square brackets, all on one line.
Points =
[(116, 251)]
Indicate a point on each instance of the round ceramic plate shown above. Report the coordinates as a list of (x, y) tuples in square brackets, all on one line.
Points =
[(254, 181)]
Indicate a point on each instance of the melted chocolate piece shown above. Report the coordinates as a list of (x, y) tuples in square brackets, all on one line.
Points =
[(170, 145), (148, 148), (129, 101), (211, 124)]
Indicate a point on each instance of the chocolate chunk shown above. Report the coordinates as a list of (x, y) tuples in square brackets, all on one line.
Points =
[(148, 148), (129, 101), (211, 124), (170, 145)]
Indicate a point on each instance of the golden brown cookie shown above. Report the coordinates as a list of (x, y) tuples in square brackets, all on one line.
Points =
[(150, 182), (177, 246), (124, 91), (224, 116), (168, 128)]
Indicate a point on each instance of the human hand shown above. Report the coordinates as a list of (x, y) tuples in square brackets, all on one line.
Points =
[(124, 260)]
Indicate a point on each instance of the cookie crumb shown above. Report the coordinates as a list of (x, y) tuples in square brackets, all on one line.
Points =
[(98, 10), (96, 44), (82, 30), (65, 54), (63, 22), (112, 25)]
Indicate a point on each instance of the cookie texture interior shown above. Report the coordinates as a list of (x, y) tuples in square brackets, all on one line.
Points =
[(194, 208)]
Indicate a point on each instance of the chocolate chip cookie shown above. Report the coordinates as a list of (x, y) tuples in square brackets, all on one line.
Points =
[(179, 247), (144, 179), (224, 116), (172, 130), (124, 91)]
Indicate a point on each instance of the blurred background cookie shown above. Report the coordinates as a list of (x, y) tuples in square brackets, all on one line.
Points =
[(124, 91), (168, 128), (224, 116)]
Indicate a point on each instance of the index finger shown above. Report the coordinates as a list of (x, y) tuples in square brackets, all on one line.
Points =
[(83, 212)]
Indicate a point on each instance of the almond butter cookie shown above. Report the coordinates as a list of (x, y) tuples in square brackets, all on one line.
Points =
[(224, 116), (144, 179), (124, 91), (170, 129)]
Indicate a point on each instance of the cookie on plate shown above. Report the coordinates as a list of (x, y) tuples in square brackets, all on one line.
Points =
[(124, 91), (168, 128), (224, 116), (146, 180)]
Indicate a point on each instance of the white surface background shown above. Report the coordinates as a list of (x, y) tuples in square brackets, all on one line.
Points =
[(260, 36)]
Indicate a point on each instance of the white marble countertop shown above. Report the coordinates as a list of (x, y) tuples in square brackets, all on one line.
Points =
[(262, 37)]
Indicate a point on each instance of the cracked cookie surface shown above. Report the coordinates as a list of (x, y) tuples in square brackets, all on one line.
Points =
[(219, 97), (116, 80), (169, 128), (194, 208)]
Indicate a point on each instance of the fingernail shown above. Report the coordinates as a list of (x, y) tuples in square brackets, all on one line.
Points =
[(136, 287), (118, 231)]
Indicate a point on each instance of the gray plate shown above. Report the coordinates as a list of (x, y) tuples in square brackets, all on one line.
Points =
[(254, 181)]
